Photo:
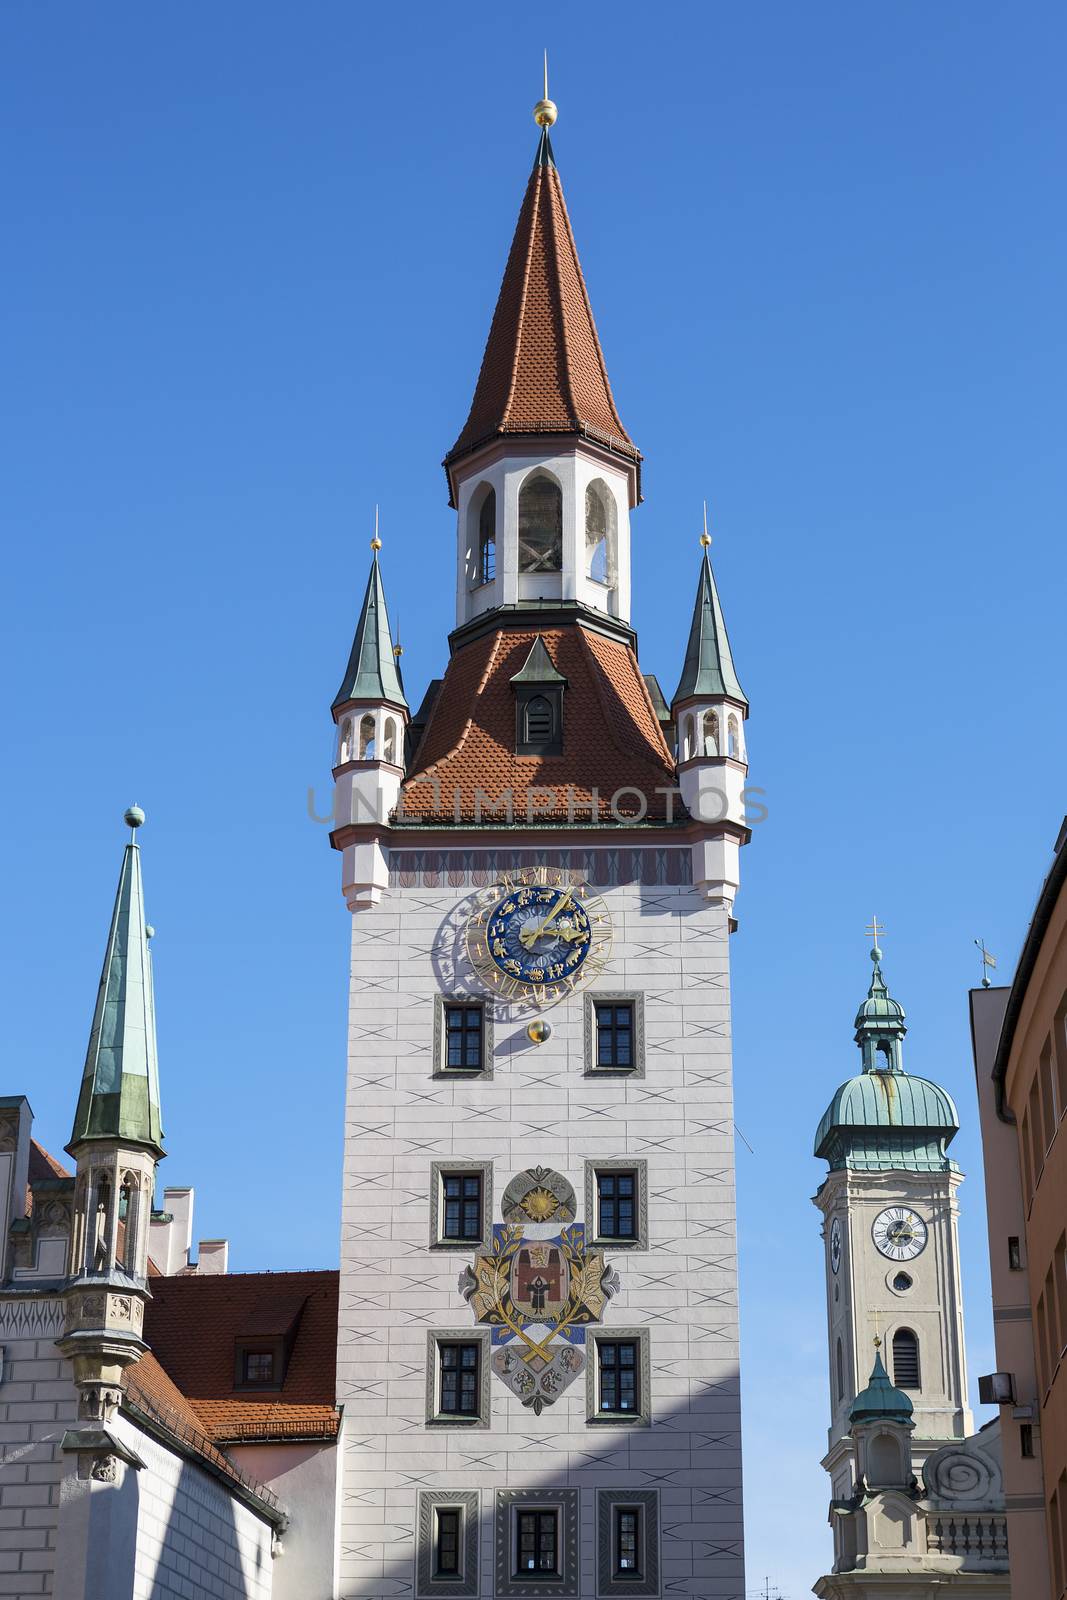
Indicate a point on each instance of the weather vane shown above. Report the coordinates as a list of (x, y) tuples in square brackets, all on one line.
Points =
[(988, 960)]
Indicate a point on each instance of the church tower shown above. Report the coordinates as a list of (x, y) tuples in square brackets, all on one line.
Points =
[(538, 1344), (116, 1142), (891, 1235)]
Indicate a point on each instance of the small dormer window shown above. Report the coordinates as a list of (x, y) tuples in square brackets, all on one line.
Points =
[(538, 705), (258, 1366)]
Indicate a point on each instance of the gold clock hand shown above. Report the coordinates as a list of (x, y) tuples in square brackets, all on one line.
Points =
[(530, 938)]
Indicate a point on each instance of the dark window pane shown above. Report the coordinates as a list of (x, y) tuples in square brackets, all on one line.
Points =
[(462, 1195), (614, 1035), (536, 1543), (627, 1542), (446, 1563), (259, 1366), (616, 1192), (619, 1392), (459, 1379), (463, 1027)]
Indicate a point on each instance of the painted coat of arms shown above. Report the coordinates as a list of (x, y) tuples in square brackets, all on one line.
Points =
[(538, 1288)]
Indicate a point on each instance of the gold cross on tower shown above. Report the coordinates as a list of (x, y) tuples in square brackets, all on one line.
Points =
[(874, 928)]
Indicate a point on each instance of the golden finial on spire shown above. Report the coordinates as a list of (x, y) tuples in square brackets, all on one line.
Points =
[(872, 930), (705, 537), (398, 648), (545, 112), (376, 543)]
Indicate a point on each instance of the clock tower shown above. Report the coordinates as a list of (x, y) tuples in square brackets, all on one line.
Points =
[(537, 1346), (891, 1236)]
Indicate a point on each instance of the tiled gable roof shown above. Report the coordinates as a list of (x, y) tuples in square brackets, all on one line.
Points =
[(193, 1323), (543, 370), (612, 738)]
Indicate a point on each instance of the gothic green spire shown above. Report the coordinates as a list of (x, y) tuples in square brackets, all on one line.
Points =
[(881, 1401), (119, 1096), (709, 666), (373, 671)]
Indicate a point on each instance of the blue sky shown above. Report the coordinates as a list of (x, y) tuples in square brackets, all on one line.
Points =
[(252, 253)]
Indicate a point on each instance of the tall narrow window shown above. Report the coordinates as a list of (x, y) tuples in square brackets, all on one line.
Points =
[(536, 1543), (905, 1359), (389, 752), (446, 1544), (1015, 1259), (616, 1205), (366, 738), (690, 745), (487, 539), (540, 525), (459, 1379), (461, 1195), (627, 1542), (463, 1037), (344, 744), (734, 738), (711, 733), (619, 1377), (600, 533)]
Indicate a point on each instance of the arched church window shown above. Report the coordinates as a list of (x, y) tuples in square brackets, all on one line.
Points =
[(884, 1464), (734, 737), (840, 1371), (366, 738), (540, 525), (389, 753), (906, 1359), (600, 533), (537, 720), (689, 741), (487, 539), (344, 744), (711, 733)]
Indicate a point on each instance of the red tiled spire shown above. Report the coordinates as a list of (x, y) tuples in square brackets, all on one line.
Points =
[(543, 370)]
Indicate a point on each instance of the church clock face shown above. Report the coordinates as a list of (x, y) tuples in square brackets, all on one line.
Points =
[(534, 936), (899, 1233), (835, 1244)]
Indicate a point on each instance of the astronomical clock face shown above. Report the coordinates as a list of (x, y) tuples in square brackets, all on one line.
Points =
[(835, 1244), (899, 1233), (534, 936)]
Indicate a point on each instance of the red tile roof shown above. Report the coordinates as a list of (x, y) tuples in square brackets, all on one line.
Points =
[(612, 738), (192, 1325), (543, 370), (43, 1165)]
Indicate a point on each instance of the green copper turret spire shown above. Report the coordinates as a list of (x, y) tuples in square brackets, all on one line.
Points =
[(373, 671), (880, 1025), (709, 665), (881, 1401), (119, 1096)]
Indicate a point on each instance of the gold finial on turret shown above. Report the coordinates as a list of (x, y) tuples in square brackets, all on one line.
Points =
[(705, 537), (376, 543), (545, 111)]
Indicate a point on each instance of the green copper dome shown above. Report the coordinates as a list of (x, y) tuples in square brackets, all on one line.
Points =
[(881, 1401), (884, 1117)]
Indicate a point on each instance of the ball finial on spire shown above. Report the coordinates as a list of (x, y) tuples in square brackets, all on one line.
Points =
[(133, 816), (545, 111), (376, 543), (705, 537)]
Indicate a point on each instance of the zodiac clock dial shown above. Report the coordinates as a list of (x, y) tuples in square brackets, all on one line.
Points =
[(536, 936), (835, 1244), (899, 1233)]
